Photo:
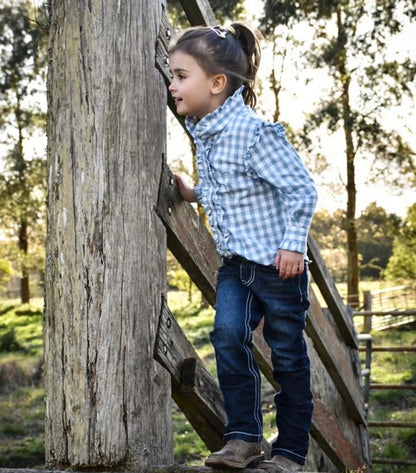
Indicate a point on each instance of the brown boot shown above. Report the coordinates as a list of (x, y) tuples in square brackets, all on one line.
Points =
[(279, 464), (236, 454)]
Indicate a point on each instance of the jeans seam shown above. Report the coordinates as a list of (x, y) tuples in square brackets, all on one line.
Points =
[(251, 362), (252, 274)]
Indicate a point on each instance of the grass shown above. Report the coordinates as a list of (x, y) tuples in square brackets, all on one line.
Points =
[(22, 409), (22, 396)]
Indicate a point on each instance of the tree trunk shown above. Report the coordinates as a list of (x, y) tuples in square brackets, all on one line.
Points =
[(352, 238), (23, 236), (23, 247), (107, 401)]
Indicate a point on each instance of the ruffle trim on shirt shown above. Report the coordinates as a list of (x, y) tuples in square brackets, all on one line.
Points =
[(262, 128)]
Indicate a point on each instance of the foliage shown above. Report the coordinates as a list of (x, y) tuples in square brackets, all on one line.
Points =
[(402, 263), (330, 235), (6, 272), (8, 341), (376, 231), (21, 326), (22, 182)]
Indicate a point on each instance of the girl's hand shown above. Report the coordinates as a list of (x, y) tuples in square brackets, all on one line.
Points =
[(187, 193), (289, 263)]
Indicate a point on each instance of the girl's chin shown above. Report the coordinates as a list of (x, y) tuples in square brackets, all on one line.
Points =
[(181, 110)]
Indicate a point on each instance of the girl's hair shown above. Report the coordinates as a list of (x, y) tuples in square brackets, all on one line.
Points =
[(233, 51)]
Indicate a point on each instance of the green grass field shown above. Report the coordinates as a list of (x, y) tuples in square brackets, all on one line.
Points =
[(22, 396)]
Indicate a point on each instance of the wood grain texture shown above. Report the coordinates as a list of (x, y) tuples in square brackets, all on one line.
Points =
[(106, 248)]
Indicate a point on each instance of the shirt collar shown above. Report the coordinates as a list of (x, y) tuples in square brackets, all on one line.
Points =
[(216, 121)]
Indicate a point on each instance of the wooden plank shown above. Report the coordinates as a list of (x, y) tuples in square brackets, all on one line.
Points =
[(325, 430), (188, 238), (194, 389), (326, 284), (332, 355), (162, 62), (199, 12), (330, 437), (201, 400)]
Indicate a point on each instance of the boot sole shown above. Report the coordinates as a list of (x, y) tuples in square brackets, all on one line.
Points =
[(249, 462)]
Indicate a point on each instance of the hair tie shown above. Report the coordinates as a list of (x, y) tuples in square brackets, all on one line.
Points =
[(222, 33), (231, 30), (217, 31)]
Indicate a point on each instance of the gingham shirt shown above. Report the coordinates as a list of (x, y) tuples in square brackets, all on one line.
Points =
[(256, 191)]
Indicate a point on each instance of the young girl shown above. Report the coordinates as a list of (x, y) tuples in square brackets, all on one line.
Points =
[(260, 200)]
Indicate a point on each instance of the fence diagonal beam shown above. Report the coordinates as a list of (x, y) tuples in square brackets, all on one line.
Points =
[(202, 407), (326, 284), (187, 237), (332, 354), (325, 429), (199, 12)]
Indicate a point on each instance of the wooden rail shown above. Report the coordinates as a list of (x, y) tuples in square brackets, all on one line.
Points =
[(392, 386), (326, 284), (389, 349), (410, 425)]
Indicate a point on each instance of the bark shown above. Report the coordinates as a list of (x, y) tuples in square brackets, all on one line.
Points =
[(107, 401)]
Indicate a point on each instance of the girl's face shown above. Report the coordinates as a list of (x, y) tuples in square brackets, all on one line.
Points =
[(192, 89)]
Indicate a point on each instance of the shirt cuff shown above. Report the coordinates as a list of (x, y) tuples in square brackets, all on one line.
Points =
[(198, 193)]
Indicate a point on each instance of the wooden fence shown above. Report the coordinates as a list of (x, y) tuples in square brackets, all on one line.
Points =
[(369, 349), (339, 427)]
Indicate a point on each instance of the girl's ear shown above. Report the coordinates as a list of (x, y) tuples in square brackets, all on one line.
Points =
[(218, 84)]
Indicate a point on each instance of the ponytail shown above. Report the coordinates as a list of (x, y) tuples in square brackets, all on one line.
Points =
[(250, 43)]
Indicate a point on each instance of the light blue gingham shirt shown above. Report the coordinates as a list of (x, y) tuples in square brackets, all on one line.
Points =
[(256, 191)]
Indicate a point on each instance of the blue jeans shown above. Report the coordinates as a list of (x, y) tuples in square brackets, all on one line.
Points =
[(247, 291)]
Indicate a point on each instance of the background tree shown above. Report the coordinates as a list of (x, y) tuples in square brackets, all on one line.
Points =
[(350, 44), (329, 230), (22, 181), (402, 263), (376, 231)]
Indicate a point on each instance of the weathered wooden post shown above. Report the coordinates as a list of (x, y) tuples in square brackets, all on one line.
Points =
[(107, 401), (367, 307)]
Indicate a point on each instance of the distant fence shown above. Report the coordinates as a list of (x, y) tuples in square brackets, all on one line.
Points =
[(368, 349), (393, 298), (12, 290), (386, 308)]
